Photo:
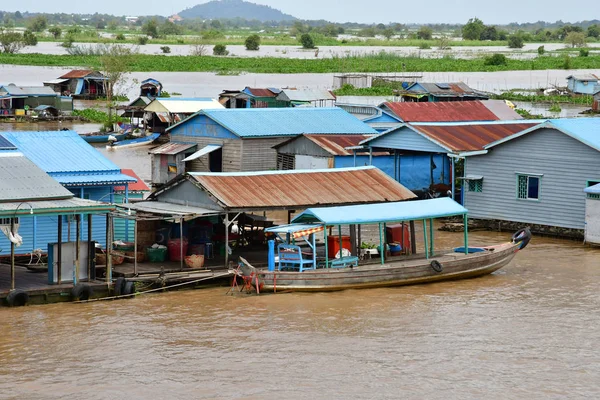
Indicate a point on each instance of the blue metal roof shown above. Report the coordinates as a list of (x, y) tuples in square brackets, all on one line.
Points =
[(586, 130), (382, 212), (93, 179), (260, 122), (65, 152), (5, 144)]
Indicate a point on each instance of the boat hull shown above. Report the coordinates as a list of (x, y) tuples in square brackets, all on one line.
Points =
[(395, 273), (102, 138)]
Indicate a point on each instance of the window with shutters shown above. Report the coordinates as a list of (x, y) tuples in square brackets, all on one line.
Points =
[(476, 185), (6, 221), (528, 187), (285, 161)]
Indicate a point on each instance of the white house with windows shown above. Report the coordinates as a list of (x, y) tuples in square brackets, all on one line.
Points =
[(537, 176)]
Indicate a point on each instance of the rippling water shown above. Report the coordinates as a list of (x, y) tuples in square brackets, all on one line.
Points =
[(529, 331)]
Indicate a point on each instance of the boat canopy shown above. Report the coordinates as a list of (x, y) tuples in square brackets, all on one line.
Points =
[(382, 212), (296, 230)]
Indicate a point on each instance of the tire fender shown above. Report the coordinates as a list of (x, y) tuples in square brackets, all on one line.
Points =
[(17, 298), (82, 291), (437, 266)]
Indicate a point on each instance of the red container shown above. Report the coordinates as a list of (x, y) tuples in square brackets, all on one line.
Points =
[(174, 247), (333, 245), (393, 234)]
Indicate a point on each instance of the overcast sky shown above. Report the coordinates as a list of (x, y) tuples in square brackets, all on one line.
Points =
[(404, 11)]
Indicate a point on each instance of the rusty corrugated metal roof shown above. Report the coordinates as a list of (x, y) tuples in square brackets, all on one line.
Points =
[(139, 186), (448, 111), (336, 144), (76, 73), (451, 89), (171, 148), (258, 92), (299, 189), (471, 137)]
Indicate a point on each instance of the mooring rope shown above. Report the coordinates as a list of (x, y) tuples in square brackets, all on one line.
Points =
[(152, 290)]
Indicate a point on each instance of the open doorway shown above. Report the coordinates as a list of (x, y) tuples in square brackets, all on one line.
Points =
[(215, 160)]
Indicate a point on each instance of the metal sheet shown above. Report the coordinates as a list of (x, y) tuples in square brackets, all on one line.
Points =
[(299, 189), (162, 208), (442, 111), (203, 151), (171, 148), (53, 207)]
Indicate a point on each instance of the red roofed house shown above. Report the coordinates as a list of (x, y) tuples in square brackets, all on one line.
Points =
[(79, 83), (452, 111)]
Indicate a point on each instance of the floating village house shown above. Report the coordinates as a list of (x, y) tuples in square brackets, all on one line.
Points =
[(583, 84), (80, 168), (22, 100), (454, 111), (330, 151), (252, 98), (243, 139), (426, 91), (592, 215), (307, 97), (30, 198), (123, 194), (425, 153), (80, 84), (536, 176), (161, 113)]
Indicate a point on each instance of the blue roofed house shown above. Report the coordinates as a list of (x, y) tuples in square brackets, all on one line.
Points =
[(537, 176), (233, 140), (24, 98), (75, 164), (582, 84), (453, 91)]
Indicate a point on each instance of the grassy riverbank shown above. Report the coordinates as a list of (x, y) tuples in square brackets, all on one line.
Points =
[(381, 62)]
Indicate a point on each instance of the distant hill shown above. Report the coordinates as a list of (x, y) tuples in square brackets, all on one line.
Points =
[(227, 9)]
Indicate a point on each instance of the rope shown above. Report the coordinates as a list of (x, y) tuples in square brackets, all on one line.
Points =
[(152, 290)]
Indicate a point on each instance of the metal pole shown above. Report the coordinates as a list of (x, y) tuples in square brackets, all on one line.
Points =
[(109, 239), (381, 245), (135, 246), (466, 222), (425, 238), (180, 243), (453, 179), (59, 251), (326, 247), (91, 251), (12, 256), (227, 237), (77, 250), (341, 242)]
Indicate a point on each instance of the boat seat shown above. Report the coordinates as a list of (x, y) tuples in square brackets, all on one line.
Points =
[(290, 256), (344, 262)]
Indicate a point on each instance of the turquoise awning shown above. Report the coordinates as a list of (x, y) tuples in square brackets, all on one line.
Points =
[(382, 212)]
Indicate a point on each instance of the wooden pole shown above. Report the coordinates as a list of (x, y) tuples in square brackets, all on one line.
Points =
[(59, 251), (425, 238), (381, 244), (91, 251), (180, 244), (431, 236), (466, 223), (340, 238), (109, 240), (12, 255), (326, 246), (413, 238)]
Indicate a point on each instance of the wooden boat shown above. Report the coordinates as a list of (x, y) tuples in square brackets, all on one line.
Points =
[(143, 141), (98, 137), (297, 271)]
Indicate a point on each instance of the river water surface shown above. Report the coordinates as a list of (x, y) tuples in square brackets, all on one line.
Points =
[(529, 331)]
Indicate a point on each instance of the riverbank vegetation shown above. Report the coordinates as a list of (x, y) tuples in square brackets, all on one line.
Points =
[(382, 62)]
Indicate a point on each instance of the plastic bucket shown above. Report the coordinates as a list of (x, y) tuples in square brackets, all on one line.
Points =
[(175, 248)]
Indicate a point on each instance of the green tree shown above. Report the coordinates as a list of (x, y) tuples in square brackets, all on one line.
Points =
[(515, 41), (425, 33), (575, 39), (307, 41), (593, 31), (112, 25), (473, 29), (11, 42), (55, 31), (489, 33), (169, 28), (38, 24), (29, 38), (150, 28), (115, 64), (252, 42), (220, 50)]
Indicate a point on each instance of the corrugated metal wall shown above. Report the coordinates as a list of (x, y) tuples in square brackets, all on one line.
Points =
[(303, 146), (258, 154), (232, 153), (406, 139), (566, 163)]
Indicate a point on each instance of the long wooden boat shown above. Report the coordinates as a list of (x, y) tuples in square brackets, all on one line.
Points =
[(143, 141), (347, 272), (102, 137)]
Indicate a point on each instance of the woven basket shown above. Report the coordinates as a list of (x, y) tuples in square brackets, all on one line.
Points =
[(100, 259)]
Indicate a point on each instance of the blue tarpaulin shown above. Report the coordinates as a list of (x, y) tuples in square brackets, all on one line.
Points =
[(382, 212)]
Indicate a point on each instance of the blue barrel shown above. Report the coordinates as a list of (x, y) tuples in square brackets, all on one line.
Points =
[(208, 251)]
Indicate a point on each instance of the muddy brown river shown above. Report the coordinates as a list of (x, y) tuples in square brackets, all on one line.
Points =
[(529, 331)]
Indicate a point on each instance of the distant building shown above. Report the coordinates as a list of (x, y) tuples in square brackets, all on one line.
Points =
[(582, 84), (25, 98), (428, 91), (163, 112), (307, 97), (79, 83), (132, 20), (175, 18)]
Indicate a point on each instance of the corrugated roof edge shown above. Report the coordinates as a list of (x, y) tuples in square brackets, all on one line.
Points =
[(291, 171)]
